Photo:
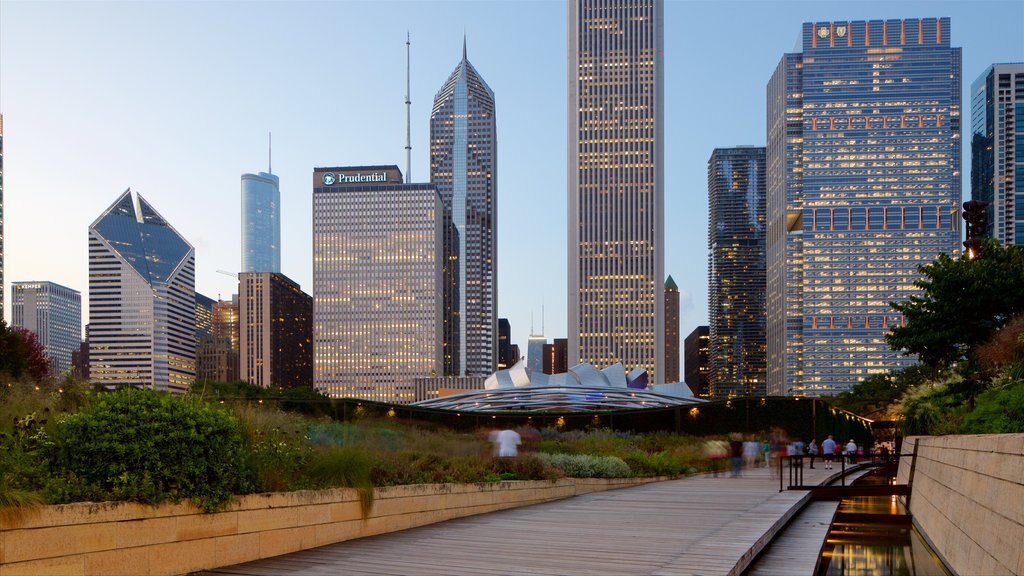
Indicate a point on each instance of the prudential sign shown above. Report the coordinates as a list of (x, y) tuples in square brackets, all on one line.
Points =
[(330, 178)]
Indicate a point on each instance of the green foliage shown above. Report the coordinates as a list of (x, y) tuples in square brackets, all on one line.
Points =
[(150, 447), (999, 409), (963, 303), (935, 408), (347, 467), (586, 466)]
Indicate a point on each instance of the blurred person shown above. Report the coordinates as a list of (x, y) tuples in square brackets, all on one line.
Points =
[(812, 451), (828, 451), (507, 443)]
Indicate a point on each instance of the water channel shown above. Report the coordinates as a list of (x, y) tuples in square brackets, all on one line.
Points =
[(873, 535)]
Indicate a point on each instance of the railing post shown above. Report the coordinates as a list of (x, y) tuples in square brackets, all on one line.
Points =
[(842, 469), (780, 473)]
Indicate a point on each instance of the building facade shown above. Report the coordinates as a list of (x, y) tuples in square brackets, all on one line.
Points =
[(204, 315), (378, 250), (616, 224), (505, 347), (276, 331), (54, 313), (535, 344), (863, 187), (142, 303), (217, 354), (556, 356), (696, 350), (671, 331), (736, 272), (997, 150), (463, 162), (261, 223), (1, 215)]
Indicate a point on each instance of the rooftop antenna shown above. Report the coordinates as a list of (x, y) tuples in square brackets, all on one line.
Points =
[(270, 153), (408, 115), (542, 318)]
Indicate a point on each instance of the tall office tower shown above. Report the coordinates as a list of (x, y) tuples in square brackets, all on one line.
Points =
[(671, 331), (696, 349), (616, 182), (261, 223), (225, 320), (997, 150), (463, 159), (54, 313), (1, 216), (276, 331), (204, 316), (142, 299), (556, 356), (736, 272), (377, 283), (863, 187), (535, 352), (217, 354)]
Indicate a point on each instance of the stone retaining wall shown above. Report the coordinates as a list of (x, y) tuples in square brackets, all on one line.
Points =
[(968, 499), (114, 538)]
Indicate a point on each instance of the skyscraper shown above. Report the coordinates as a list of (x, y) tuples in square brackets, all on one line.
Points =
[(463, 157), (276, 329), (863, 187), (671, 331), (616, 184), (142, 304), (377, 283), (736, 272), (204, 316), (696, 350), (997, 150), (1, 216), (261, 223), (54, 313)]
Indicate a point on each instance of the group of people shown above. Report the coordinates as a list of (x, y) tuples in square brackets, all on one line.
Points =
[(828, 451), (749, 452)]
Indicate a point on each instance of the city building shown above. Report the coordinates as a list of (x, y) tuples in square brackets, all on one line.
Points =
[(463, 158), (142, 303), (276, 331), (696, 350), (671, 331), (80, 358), (204, 315), (556, 356), (54, 313), (997, 150), (508, 353), (217, 354), (736, 272), (616, 197), (378, 251), (535, 352), (441, 386), (261, 223), (863, 187)]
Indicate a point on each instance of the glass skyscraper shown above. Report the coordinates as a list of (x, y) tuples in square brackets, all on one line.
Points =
[(142, 302), (261, 223), (377, 283), (616, 262), (997, 150), (276, 331), (671, 331), (863, 187), (54, 313), (736, 272), (463, 157), (1, 216)]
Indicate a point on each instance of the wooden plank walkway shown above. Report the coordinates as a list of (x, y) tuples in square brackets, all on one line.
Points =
[(697, 525), (798, 549)]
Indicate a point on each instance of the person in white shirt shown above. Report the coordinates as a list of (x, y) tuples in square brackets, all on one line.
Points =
[(508, 442)]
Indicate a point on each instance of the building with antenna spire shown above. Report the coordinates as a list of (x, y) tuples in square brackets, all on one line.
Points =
[(261, 220), (463, 157)]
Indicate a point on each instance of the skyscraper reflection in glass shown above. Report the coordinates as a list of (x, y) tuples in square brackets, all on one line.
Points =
[(863, 187)]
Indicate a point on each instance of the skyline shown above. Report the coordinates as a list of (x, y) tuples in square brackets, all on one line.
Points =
[(177, 121)]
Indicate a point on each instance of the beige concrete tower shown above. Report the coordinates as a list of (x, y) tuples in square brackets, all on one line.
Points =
[(616, 194)]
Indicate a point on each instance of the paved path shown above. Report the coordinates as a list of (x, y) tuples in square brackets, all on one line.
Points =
[(697, 525)]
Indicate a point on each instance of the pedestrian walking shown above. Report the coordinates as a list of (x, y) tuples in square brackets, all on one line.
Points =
[(828, 451), (812, 451)]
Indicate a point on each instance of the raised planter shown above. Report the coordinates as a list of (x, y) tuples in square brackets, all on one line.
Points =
[(113, 538)]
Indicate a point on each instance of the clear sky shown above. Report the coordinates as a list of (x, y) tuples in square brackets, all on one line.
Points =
[(175, 99)]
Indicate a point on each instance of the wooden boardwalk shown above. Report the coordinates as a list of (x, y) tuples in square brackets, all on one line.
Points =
[(697, 525)]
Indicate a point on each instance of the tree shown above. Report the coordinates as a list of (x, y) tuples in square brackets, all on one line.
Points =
[(963, 303), (37, 365), (21, 354)]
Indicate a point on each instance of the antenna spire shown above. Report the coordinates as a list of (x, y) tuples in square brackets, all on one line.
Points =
[(270, 153), (463, 46), (408, 115)]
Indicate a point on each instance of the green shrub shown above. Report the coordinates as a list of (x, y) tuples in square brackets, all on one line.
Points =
[(586, 466), (150, 447), (999, 410), (344, 467)]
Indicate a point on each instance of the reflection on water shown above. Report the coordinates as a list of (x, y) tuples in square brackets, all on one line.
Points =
[(884, 548)]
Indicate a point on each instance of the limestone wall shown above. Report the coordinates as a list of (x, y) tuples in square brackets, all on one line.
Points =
[(114, 538), (968, 499)]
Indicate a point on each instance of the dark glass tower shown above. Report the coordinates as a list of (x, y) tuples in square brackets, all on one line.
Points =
[(671, 331), (1, 216), (736, 272), (863, 187), (997, 150), (463, 156)]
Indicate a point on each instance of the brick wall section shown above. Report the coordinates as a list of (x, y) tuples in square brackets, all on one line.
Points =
[(968, 499), (115, 538)]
